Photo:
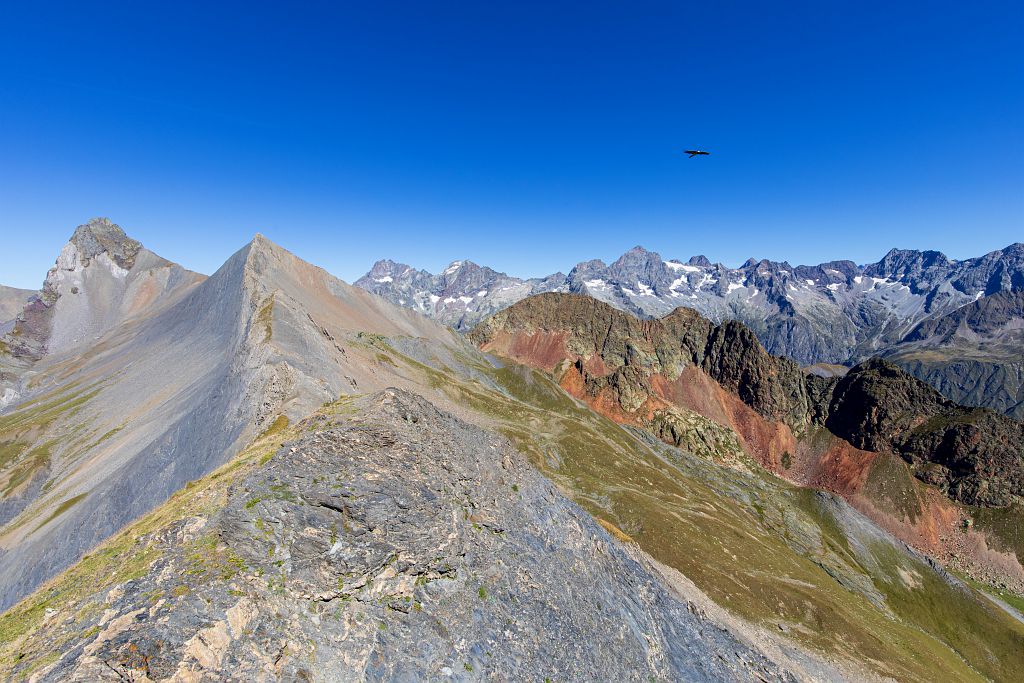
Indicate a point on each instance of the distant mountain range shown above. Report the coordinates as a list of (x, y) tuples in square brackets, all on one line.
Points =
[(832, 313)]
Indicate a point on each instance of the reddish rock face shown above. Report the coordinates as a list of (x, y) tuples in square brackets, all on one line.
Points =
[(864, 436)]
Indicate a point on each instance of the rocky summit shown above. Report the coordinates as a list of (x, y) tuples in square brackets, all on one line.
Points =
[(835, 312)]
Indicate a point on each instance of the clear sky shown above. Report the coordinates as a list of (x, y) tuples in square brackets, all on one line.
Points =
[(526, 136)]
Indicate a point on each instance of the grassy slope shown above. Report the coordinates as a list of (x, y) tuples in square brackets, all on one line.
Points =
[(25, 442), (753, 543), (761, 548)]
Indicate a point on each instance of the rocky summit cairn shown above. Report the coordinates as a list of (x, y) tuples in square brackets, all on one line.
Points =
[(100, 236)]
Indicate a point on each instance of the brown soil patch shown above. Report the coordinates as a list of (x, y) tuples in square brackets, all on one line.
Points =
[(543, 350)]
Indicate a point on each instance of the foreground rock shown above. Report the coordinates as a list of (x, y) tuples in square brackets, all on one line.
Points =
[(391, 542)]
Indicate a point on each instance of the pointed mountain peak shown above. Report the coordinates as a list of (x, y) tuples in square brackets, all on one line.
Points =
[(700, 261), (457, 268), (261, 242), (636, 255)]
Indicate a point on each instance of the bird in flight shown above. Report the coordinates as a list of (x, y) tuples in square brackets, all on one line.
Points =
[(695, 152)]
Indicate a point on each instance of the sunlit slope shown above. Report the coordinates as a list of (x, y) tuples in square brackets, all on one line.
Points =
[(800, 562), (802, 565)]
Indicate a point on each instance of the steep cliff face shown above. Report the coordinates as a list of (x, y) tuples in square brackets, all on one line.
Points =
[(101, 279)]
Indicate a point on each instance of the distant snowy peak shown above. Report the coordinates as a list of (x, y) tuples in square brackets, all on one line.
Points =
[(830, 312), (460, 295)]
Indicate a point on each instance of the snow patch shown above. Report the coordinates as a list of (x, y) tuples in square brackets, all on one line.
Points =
[(386, 278), (732, 286), (644, 289), (686, 268)]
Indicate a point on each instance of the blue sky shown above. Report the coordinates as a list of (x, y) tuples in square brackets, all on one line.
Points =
[(527, 136)]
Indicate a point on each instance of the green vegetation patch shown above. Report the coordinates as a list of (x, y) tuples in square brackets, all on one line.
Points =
[(265, 318), (32, 462), (61, 509), (893, 488), (1006, 525)]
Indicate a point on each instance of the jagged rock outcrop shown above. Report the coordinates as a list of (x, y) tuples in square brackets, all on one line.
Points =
[(974, 455), (322, 565), (625, 352)]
